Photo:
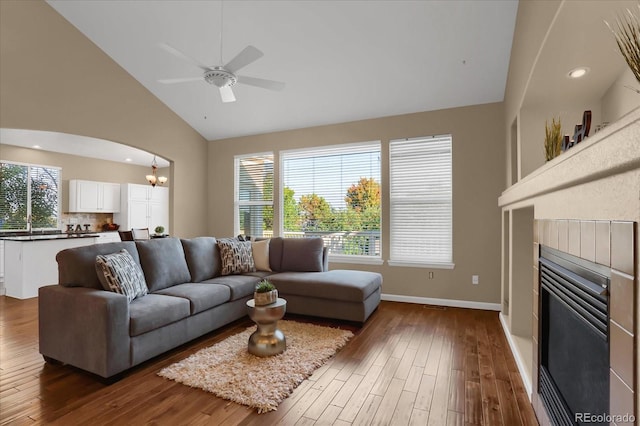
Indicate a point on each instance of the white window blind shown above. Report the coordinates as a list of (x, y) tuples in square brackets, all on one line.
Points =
[(421, 201), (254, 195), (333, 192), (45, 194), (29, 192)]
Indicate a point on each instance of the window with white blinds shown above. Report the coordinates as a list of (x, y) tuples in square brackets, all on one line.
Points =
[(420, 181), (254, 195), (333, 192), (29, 192)]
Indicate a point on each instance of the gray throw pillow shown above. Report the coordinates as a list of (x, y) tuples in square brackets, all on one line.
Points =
[(302, 254), (163, 263), (236, 256), (203, 258), (118, 272)]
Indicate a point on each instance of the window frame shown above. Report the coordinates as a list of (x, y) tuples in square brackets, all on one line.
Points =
[(333, 258), (427, 262), (237, 203)]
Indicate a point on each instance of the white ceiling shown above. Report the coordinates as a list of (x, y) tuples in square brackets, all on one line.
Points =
[(341, 60)]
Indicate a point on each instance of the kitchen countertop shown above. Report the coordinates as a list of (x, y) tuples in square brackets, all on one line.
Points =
[(41, 237)]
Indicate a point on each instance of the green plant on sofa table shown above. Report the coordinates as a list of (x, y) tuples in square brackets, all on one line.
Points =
[(265, 293)]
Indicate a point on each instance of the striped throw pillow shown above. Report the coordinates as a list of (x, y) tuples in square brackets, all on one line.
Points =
[(118, 272), (236, 256)]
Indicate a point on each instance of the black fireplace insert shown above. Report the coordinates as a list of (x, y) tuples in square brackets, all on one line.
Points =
[(574, 338)]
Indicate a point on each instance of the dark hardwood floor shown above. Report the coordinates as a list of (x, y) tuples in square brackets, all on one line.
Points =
[(408, 365)]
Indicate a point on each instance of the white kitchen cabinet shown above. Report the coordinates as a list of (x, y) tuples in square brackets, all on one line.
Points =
[(143, 206), (87, 196)]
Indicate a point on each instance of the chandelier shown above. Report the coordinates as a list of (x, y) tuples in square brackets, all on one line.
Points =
[(152, 178)]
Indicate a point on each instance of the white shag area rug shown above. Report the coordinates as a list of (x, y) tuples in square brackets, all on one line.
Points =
[(229, 371)]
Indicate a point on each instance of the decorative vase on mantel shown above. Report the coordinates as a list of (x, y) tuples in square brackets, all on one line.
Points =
[(265, 293)]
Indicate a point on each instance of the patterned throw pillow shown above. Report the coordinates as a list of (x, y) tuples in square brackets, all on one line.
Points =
[(118, 272), (236, 256)]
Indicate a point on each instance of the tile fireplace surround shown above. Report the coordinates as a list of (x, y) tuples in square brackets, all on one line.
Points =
[(586, 202), (609, 244)]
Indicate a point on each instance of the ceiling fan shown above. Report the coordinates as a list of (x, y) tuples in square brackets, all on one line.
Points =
[(224, 76)]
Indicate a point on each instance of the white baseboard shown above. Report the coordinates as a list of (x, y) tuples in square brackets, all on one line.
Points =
[(442, 302), (516, 355)]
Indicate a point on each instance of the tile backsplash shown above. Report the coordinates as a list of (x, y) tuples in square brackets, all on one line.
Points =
[(94, 220)]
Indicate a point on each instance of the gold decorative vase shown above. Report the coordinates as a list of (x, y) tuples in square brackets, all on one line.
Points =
[(266, 298)]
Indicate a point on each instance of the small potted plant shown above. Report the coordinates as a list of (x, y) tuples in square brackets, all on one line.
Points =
[(265, 293), (159, 230)]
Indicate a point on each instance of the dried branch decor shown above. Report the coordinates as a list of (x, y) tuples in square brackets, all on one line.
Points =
[(627, 34), (552, 139)]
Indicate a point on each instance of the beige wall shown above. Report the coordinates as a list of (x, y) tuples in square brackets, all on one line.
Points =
[(532, 23), (620, 99), (75, 167), (532, 125), (53, 78), (478, 170)]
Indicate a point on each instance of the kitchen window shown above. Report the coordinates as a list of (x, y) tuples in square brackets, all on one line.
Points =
[(254, 195), (29, 197), (421, 228)]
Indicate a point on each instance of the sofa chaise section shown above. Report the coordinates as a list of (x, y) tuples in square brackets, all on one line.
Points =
[(341, 294)]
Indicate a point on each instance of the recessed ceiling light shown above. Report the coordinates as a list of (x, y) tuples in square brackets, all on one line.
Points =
[(36, 146), (128, 160), (578, 72)]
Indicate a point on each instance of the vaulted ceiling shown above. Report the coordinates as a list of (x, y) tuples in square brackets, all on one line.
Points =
[(340, 60)]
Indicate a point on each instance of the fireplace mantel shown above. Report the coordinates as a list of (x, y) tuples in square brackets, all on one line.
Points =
[(613, 150), (588, 188)]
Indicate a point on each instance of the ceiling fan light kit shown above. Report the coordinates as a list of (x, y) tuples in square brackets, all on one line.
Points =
[(220, 77)]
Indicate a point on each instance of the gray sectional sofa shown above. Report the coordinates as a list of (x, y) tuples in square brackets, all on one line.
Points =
[(99, 331)]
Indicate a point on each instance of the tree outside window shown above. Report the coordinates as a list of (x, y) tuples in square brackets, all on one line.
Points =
[(334, 193), (29, 190)]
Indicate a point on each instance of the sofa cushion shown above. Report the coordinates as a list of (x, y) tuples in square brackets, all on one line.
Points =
[(163, 263), (155, 311), (347, 285), (260, 252), (239, 285), (302, 254), (236, 256), (200, 296), (275, 253), (118, 272), (203, 258), (77, 266)]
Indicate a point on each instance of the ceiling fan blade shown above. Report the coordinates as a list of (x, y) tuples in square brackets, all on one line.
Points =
[(179, 80), (244, 58), (227, 94), (260, 82), (183, 56)]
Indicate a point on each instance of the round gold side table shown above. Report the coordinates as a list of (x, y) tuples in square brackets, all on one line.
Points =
[(267, 340)]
